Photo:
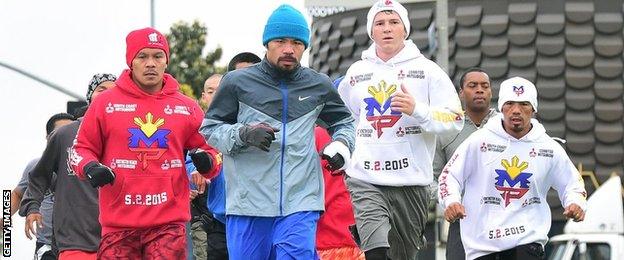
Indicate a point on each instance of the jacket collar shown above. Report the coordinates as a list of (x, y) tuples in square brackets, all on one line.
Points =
[(126, 84), (277, 74), (492, 112)]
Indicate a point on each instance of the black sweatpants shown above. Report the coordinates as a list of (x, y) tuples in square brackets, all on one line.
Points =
[(533, 251)]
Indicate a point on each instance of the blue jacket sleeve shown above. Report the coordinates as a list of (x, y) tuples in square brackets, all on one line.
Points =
[(190, 168)]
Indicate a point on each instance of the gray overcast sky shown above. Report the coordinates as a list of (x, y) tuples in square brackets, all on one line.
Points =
[(67, 41)]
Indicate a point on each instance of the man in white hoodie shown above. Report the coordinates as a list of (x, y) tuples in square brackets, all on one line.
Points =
[(475, 93), (505, 171), (401, 101)]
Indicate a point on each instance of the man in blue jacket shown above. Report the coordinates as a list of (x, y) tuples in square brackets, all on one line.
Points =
[(262, 119)]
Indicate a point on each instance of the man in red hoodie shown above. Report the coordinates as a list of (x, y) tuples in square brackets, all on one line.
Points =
[(333, 238), (132, 145)]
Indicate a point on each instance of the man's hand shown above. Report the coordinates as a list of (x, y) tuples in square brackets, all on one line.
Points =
[(337, 155), (260, 135), (193, 194), (403, 102), (574, 212), (199, 181), (98, 174), (29, 228), (454, 212), (202, 160)]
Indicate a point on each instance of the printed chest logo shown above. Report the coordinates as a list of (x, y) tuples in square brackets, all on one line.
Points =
[(123, 163), (378, 110), (408, 130), (110, 108), (175, 163), (414, 74), (485, 147), (512, 182), (148, 140), (546, 153), (532, 153), (401, 75), (183, 110), (360, 78)]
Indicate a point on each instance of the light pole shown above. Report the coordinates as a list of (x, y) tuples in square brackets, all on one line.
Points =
[(42, 81), (152, 14)]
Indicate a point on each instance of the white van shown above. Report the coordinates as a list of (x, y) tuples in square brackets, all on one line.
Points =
[(601, 235)]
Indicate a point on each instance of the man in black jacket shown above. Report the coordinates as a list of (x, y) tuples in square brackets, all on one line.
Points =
[(43, 248), (76, 228)]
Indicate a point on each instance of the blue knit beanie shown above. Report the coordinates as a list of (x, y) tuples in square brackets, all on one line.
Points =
[(286, 22)]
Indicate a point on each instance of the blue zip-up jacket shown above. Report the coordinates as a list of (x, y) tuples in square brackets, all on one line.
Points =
[(288, 178)]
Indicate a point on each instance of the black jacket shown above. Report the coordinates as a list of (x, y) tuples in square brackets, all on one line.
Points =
[(75, 218)]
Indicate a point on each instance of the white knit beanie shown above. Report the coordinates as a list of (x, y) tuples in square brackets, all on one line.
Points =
[(387, 5), (517, 89)]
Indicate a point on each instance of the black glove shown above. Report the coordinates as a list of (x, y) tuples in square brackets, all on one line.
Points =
[(334, 163), (202, 160), (337, 155), (98, 174), (260, 135)]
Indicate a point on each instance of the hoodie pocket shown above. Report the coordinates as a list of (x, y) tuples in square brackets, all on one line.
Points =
[(144, 191)]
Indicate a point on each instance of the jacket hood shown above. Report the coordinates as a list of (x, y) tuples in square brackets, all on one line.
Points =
[(536, 134), (409, 52), (126, 84)]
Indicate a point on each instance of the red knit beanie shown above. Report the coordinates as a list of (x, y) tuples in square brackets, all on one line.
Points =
[(144, 38)]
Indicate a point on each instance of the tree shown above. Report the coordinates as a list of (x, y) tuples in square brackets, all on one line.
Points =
[(187, 90), (186, 63)]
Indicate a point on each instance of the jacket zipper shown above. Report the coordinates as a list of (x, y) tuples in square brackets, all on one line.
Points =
[(284, 91)]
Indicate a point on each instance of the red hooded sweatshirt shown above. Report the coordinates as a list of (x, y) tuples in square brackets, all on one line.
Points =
[(332, 230), (142, 138)]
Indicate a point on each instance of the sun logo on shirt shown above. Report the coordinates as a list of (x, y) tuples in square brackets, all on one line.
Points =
[(142, 139), (514, 169), (148, 127), (512, 182), (378, 110), (383, 92)]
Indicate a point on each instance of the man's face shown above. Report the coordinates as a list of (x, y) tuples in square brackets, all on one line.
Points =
[(148, 68), (210, 87), (101, 88), (476, 92), (517, 117), (285, 53), (388, 31)]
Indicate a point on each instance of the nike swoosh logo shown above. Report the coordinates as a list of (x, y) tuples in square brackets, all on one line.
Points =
[(303, 98)]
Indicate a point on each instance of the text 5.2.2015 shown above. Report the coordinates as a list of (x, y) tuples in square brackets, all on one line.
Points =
[(145, 199), (386, 165), (503, 232)]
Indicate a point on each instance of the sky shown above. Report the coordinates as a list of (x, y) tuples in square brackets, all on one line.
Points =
[(67, 41)]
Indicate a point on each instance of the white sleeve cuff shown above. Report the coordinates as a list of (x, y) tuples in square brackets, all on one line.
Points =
[(421, 111), (450, 200)]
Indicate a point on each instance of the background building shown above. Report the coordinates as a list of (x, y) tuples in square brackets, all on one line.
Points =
[(571, 49)]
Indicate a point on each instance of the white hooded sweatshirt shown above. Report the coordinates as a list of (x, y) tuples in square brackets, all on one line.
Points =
[(392, 148), (505, 182)]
